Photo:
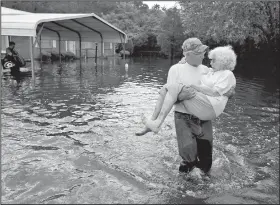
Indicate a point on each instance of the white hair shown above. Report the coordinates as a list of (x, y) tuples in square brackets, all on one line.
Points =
[(224, 56)]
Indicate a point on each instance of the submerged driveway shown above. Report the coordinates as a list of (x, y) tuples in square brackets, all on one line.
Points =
[(71, 140)]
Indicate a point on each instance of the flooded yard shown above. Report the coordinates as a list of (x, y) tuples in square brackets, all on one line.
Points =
[(70, 139)]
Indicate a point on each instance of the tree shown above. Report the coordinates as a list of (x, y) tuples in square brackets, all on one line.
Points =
[(251, 27), (171, 35), (99, 7), (231, 21), (156, 7), (139, 23)]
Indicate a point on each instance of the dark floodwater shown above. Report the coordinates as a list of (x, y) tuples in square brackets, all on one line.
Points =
[(71, 140)]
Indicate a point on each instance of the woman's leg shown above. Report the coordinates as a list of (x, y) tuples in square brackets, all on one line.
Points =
[(166, 106), (200, 106), (162, 94)]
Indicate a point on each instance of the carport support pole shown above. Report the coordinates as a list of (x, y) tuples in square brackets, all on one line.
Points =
[(32, 57), (40, 49), (96, 53), (80, 43), (113, 49), (124, 51), (102, 48), (77, 32), (59, 49)]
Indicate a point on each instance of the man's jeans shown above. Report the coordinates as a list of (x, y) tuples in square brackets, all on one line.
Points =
[(195, 141)]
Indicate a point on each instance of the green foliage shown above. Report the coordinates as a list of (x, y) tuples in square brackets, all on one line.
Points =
[(231, 21), (97, 6), (171, 35), (251, 27), (137, 21)]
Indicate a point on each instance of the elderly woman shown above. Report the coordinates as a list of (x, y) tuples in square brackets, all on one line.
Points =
[(210, 101)]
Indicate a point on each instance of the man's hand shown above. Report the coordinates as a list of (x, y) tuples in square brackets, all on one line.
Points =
[(16, 53), (230, 93), (186, 93), (183, 60)]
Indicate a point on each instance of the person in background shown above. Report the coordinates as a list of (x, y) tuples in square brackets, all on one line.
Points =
[(12, 55), (10, 51)]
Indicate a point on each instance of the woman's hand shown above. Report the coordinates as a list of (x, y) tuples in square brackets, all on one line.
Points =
[(186, 93), (196, 87)]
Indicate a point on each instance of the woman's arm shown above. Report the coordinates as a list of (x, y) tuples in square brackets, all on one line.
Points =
[(206, 90)]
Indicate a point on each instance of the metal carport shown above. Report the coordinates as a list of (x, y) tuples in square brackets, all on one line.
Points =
[(76, 27)]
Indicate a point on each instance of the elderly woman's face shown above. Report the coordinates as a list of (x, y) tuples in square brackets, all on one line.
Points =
[(213, 63)]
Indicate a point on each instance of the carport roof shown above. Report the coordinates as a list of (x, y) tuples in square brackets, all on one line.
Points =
[(89, 27)]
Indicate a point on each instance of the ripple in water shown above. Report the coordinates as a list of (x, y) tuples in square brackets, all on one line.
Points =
[(71, 140)]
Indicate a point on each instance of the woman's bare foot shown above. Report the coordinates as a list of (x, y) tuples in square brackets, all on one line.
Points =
[(143, 132), (153, 125)]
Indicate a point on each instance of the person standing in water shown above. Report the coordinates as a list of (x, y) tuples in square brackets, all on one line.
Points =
[(12, 55), (194, 136), (209, 101)]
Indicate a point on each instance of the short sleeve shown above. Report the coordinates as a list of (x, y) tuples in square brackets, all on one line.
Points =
[(172, 75), (225, 81)]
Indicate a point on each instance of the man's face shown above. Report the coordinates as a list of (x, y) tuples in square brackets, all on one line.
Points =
[(194, 58), (12, 46)]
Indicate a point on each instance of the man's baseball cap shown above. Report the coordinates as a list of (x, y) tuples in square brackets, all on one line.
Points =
[(194, 44)]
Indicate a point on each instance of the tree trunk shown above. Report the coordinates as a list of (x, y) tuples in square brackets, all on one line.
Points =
[(172, 52)]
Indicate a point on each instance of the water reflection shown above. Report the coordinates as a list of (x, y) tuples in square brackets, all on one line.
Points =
[(70, 139)]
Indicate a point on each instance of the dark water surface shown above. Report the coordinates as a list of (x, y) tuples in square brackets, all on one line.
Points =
[(71, 140)]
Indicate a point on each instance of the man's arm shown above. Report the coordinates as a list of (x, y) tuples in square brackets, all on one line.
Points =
[(189, 92), (230, 93), (172, 75), (206, 90), (186, 93)]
